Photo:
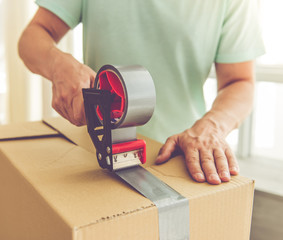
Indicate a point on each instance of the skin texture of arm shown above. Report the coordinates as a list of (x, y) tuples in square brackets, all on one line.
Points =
[(37, 48), (208, 156)]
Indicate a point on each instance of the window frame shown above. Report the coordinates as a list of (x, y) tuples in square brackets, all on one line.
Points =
[(263, 73)]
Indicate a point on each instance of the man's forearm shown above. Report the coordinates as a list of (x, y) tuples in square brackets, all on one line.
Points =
[(38, 51), (232, 104), (37, 48), (207, 154), (37, 45)]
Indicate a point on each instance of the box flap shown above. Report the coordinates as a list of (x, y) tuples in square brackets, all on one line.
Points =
[(78, 135), (26, 130)]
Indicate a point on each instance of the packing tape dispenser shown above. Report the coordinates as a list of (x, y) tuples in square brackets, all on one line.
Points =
[(122, 99)]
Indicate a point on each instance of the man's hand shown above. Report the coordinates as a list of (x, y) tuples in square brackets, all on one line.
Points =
[(207, 155), (38, 50), (68, 78)]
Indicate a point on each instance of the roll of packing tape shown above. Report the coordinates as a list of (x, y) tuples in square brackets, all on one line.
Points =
[(133, 94)]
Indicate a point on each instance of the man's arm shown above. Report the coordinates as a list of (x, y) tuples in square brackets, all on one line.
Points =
[(208, 156), (37, 48)]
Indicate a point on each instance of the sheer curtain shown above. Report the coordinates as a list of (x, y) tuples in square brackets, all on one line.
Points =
[(3, 87), (23, 96)]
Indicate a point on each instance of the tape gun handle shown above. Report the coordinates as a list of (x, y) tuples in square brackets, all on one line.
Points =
[(99, 131)]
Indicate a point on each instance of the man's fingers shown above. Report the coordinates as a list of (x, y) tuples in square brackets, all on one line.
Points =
[(61, 103), (78, 111), (208, 166), (167, 149), (69, 106), (59, 108), (221, 165), (232, 162), (67, 87), (193, 164)]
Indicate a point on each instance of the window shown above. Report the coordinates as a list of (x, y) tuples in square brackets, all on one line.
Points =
[(262, 133), (267, 130), (24, 96), (267, 121), (271, 21)]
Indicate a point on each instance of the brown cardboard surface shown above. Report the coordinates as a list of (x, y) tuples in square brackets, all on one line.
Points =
[(53, 189), (26, 130), (78, 135)]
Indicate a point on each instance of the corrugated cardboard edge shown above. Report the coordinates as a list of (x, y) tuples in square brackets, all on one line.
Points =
[(134, 226), (124, 227), (71, 132), (26, 130)]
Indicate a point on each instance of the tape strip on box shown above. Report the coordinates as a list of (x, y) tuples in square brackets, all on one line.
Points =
[(173, 208)]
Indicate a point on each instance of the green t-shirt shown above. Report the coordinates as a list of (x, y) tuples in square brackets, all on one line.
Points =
[(177, 41)]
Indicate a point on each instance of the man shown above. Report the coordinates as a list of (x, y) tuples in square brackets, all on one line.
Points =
[(177, 41)]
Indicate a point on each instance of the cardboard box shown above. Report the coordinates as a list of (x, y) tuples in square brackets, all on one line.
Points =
[(51, 187)]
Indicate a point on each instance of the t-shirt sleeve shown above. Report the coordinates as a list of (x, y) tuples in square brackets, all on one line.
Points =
[(240, 38), (69, 11)]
